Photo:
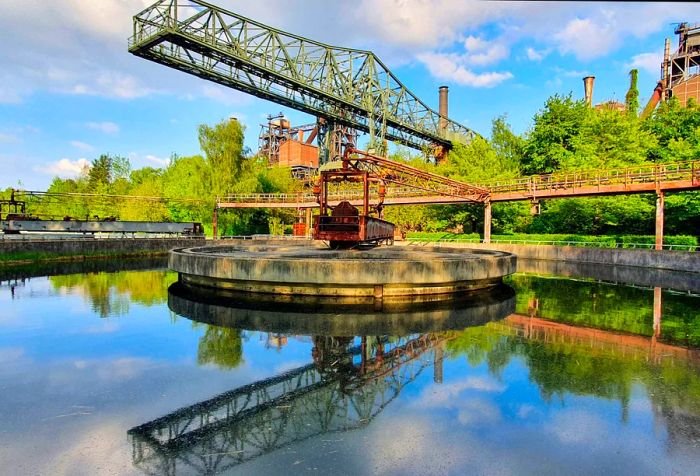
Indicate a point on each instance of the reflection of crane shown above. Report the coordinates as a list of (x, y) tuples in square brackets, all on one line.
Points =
[(344, 389)]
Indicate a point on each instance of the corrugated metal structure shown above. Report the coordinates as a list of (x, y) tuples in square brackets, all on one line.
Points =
[(77, 226)]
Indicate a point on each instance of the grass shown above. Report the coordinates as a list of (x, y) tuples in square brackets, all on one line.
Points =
[(603, 241), (35, 257)]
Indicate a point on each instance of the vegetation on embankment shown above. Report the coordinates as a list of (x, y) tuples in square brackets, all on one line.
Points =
[(565, 135), (25, 257), (604, 241)]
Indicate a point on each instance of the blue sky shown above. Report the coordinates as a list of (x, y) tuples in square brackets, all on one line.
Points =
[(69, 90)]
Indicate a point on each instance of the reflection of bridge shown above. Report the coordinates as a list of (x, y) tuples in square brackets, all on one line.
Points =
[(345, 389), (632, 346)]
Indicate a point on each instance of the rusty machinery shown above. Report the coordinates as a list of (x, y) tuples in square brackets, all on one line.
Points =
[(343, 225)]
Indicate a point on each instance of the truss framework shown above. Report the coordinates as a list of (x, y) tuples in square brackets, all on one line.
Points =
[(404, 175), (347, 86)]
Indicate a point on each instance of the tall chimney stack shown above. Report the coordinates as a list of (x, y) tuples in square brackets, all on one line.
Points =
[(588, 89), (443, 108), (665, 80)]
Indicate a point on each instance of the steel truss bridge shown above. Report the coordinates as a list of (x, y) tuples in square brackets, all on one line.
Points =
[(334, 394), (343, 85), (415, 187)]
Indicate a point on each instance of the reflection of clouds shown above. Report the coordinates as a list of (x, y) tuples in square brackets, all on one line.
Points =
[(8, 317), (445, 395), (526, 410), (99, 449), (478, 411), (9, 355), (94, 450), (408, 445), (578, 426), (290, 365), (103, 370), (102, 328)]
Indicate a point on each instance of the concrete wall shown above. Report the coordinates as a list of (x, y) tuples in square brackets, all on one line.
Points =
[(92, 246), (664, 259)]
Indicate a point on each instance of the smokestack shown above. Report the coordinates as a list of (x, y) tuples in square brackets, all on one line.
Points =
[(665, 80), (588, 89), (443, 108)]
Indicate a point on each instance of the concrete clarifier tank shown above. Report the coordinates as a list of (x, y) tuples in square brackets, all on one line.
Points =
[(303, 269)]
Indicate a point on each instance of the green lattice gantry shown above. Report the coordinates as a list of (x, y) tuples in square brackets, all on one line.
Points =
[(344, 85)]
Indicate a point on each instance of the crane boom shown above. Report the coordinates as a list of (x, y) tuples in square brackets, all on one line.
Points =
[(344, 85)]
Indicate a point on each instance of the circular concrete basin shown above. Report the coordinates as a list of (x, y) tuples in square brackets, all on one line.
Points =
[(304, 269)]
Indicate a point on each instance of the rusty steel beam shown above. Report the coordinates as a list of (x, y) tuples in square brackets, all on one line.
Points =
[(427, 199), (404, 175), (595, 190)]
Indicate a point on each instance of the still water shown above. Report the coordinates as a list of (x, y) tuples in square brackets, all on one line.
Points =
[(109, 368)]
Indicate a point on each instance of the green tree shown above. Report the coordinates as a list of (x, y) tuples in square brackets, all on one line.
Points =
[(609, 139), (550, 142), (221, 346), (223, 147), (632, 96), (677, 131)]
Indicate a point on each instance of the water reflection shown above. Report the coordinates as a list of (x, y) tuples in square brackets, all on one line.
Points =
[(564, 360), (344, 389), (552, 375), (323, 317), (353, 377)]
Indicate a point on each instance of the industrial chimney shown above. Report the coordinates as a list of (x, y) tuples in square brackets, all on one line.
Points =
[(443, 108), (665, 68), (588, 89)]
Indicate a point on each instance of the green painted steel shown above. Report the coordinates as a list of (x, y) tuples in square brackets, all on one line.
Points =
[(344, 85)]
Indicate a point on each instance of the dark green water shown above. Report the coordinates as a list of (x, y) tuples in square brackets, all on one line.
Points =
[(111, 370)]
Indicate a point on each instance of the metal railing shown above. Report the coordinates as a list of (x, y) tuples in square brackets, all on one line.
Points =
[(587, 244), (647, 173), (97, 236), (642, 174)]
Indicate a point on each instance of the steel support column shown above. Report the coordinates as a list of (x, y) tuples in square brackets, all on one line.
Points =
[(487, 221), (309, 221), (438, 359), (659, 220), (215, 223)]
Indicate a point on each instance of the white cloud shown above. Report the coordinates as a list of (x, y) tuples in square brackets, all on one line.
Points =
[(586, 39), (157, 160), (649, 62), (223, 95), (426, 24), (64, 168), (482, 52), (112, 84), (452, 67), (536, 55), (106, 127), (82, 146), (7, 138)]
